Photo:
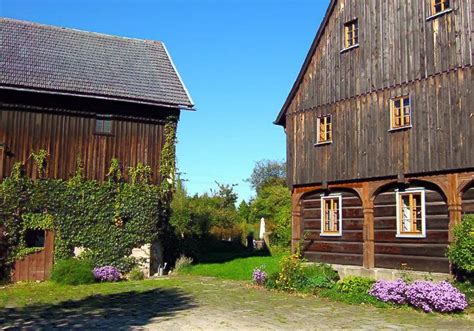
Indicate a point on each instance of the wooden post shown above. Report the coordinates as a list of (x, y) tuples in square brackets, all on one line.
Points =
[(368, 209), (296, 228), (454, 204)]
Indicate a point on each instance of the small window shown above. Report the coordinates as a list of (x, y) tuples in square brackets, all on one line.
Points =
[(439, 6), (324, 129), (400, 113), (351, 34), (331, 215), (411, 213), (34, 238), (103, 124)]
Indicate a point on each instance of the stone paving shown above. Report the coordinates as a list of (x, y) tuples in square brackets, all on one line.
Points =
[(198, 303)]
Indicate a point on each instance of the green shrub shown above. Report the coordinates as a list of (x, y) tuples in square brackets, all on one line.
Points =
[(460, 252), (355, 285), (291, 276), (271, 282), (136, 274), (182, 263), (73, 272)]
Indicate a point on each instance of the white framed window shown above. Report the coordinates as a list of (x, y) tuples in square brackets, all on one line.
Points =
[(411, 218), (331, 215), (400, 113), (324, 130)]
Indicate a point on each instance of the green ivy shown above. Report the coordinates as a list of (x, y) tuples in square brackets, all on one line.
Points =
[(108, 219)]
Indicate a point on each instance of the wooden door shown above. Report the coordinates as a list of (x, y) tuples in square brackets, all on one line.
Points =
[(36, 266)]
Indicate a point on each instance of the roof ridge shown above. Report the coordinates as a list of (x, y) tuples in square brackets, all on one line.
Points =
[(62, 28)]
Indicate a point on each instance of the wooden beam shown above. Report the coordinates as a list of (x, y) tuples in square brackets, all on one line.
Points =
[(368, 234)]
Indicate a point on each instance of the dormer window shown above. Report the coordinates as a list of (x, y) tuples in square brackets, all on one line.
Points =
[(103, 125), (324, 129), (351, 35)]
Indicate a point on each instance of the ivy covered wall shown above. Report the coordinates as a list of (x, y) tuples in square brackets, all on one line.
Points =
[(108, 219)]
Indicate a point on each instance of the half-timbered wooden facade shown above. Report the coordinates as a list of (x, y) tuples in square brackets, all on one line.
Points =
[(84, 95), (380, 133)]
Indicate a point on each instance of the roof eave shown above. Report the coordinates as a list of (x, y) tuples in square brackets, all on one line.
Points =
[(189, 107), (280, 120)]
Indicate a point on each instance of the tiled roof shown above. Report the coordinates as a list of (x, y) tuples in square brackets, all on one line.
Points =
[(47, 58)]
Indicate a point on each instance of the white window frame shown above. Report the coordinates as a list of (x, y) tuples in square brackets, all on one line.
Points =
[(318, 130), (400, 234), (392, 108), (331, 234)]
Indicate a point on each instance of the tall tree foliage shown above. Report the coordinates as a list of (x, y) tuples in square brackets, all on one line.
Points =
[(267, 172), (273, 199)]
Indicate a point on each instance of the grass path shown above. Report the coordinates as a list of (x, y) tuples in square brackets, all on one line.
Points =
[(237, 269)]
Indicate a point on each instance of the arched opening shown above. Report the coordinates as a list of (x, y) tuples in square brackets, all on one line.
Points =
[(411, 224), (468, 199), (332, 226)]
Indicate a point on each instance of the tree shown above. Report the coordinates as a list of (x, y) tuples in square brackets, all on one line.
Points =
[(244, 211), (273, 202), (268, 172), (181, 212)]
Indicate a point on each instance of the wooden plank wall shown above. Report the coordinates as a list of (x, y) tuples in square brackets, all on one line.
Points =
[(424, 254), (400, 53), (346, 249), (442, 137), (67, 136), (36, 266), (468, 201)]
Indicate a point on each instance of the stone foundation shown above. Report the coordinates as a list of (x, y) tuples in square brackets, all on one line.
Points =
[(387, 274)]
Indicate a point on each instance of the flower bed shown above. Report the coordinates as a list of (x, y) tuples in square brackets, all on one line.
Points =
[(440, 297)]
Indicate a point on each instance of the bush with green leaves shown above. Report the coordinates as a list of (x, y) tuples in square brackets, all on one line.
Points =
[(73, 272), (181, 263), (355, 285), (136, 274), (320, 276), (460, 252)]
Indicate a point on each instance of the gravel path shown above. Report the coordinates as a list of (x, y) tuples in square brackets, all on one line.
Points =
[(198, 303)]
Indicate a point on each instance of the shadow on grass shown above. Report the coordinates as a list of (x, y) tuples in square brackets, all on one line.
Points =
[(120, 311), (222, 257)]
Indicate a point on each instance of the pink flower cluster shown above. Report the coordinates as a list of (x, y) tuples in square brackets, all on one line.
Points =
[(441, 297), (389, 291), (259, 276), (107, 274)]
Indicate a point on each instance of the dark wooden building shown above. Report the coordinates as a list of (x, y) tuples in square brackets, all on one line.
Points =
[(84, 95), (380, 133)]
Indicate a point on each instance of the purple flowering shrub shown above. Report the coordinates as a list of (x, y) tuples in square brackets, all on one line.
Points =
[(441, 297), (259, 276), (389, 291), (107, 274)]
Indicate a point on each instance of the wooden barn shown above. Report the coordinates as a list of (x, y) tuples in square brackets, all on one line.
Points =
[(380, 134), (87, 95)]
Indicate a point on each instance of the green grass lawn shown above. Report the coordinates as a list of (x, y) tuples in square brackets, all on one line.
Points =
[(237, 269)]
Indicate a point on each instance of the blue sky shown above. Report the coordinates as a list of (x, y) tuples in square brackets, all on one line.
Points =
[(238, 60)]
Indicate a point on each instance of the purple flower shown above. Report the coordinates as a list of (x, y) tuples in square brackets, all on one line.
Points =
[(389, 291), (442, 297), (107, 274), (259, 276)]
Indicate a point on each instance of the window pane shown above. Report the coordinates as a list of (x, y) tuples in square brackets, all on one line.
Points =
[(397, 103), (34, 238), (107, 126), (99, 125)]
